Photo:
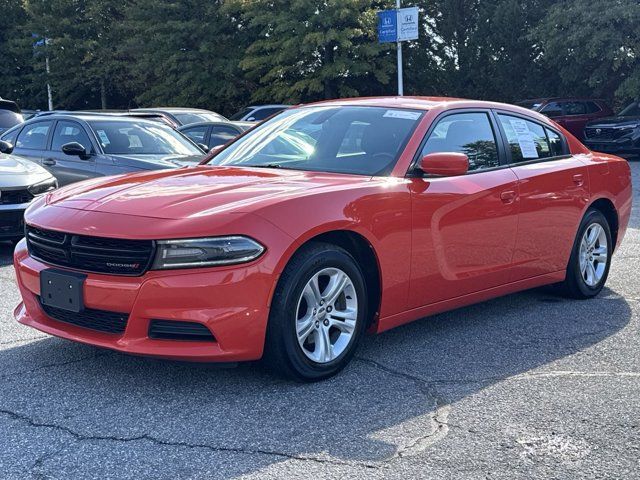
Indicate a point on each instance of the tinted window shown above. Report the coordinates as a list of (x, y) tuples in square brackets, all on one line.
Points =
[(67, 132), (555, 143), (34, 136), (138, 138), (263, 113), (468, 133), (575, 108), (552, 109), (221, 135), (631, 110), (592, 107), (197, 134), (527, 140), (11, 135), (241, 114), (314, 138)]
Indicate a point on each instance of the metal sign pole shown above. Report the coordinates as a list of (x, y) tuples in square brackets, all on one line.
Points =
[(399, 48)]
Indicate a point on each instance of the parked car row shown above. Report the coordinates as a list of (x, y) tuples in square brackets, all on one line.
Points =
[(593, 122)]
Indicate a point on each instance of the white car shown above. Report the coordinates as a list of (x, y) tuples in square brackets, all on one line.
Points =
[(20, 182)]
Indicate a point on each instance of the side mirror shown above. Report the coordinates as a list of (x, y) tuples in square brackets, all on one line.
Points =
[(448, 164), (203, 146), (5, 147), (250, 119), (216, 148), (75, 149)]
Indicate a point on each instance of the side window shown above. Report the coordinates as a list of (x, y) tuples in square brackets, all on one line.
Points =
[(575, 108), (34, 136), (592, 107), (263, 113), (552, 109), (468, 133), (11, 136), (527, 140), (197, 134), (555, 143), (67, 132), (221, 135)]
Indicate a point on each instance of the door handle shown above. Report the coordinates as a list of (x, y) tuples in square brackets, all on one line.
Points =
[(578, 179), (508, 196), (50, 162)]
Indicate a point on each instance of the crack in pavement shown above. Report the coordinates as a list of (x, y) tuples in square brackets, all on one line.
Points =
[(80, 437), (53, 365), (23, 340)]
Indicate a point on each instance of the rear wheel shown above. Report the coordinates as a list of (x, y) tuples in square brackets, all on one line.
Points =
[(590, 260), (318, 314)]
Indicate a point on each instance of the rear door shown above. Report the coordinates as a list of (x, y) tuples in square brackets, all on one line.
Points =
[(553, 192), (69, 168), (464, 227), (32, 141), (575, 118)]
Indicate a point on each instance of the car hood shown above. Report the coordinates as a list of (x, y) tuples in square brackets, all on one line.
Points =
[(20, 172), (153, 162), (614, 122), (196, 191)]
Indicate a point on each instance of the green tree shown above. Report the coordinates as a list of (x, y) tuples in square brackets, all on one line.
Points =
[(304, 50), (594, 46)]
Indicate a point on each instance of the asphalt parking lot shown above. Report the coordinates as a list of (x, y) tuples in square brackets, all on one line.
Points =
[(526, 386)]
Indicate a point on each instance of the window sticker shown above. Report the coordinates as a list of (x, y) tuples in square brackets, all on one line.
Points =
[(103, 137), (404, 114), (525, 138)]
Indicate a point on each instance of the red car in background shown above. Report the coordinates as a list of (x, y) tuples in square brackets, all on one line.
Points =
[(326, 221), (571, 113)]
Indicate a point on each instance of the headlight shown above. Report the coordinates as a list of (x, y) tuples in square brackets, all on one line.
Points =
[(205, 252), (43, 187)]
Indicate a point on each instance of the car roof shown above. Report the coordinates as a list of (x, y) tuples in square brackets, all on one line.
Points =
[(172, 109), (89, 116), (206, 124), (417, 103), (273, 105), (560, 99)]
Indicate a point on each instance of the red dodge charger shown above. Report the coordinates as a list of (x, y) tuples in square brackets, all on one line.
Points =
[(326, 221)]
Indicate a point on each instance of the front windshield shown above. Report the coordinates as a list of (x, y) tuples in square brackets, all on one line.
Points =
[(187, 118), (631, 110), (141, 138), (355, 140)]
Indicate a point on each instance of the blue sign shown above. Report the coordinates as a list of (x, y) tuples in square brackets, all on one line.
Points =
[(387, 26)]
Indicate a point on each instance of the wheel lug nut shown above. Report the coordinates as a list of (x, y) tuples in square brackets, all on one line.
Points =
[(329, 308), (326, 323)]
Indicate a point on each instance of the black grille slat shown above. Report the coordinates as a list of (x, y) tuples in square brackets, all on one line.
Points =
[(99, 320), (15, 197), (176, 330), (606, 133), (90, 254)]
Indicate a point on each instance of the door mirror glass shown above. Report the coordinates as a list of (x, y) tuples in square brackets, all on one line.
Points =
[(5, 147), (75, 149), (448, 164)]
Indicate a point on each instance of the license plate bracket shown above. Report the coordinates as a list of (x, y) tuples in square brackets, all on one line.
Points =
[(62, 289)]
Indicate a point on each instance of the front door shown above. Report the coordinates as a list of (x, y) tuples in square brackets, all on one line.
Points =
[(31, 142), (464, 228), (69, 168)]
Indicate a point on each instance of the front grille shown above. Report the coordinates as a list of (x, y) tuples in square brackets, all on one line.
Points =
[(12, 223), (90, 254), (100, 320), (606, 133), (15, 197), (172, 330)]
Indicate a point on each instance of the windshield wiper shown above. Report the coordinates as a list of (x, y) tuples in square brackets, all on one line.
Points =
[(265, 165)]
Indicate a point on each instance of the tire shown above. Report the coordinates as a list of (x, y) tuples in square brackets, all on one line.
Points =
[(293, 346), (580, 283)]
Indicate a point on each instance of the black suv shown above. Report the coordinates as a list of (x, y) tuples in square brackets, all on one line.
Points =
[(619, 134), (10, 115)]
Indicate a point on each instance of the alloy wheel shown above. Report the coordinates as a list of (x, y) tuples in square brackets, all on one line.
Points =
[(594, 254)]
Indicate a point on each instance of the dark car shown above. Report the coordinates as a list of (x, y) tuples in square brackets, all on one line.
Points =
[(10, 115), (571, 113), (154, 116), (257, 113), (214, 134), (77, 147), (184, 116), (619, 134)]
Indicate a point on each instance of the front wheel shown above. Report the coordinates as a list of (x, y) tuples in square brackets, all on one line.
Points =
[(318, 314), (590, 260)]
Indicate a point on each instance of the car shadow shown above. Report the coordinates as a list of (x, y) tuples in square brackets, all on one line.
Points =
[(6, 253), (394, 395)]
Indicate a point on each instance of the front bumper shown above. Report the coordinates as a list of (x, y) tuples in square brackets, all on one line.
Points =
[(621, 146), (232, 302), (12, 220)]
